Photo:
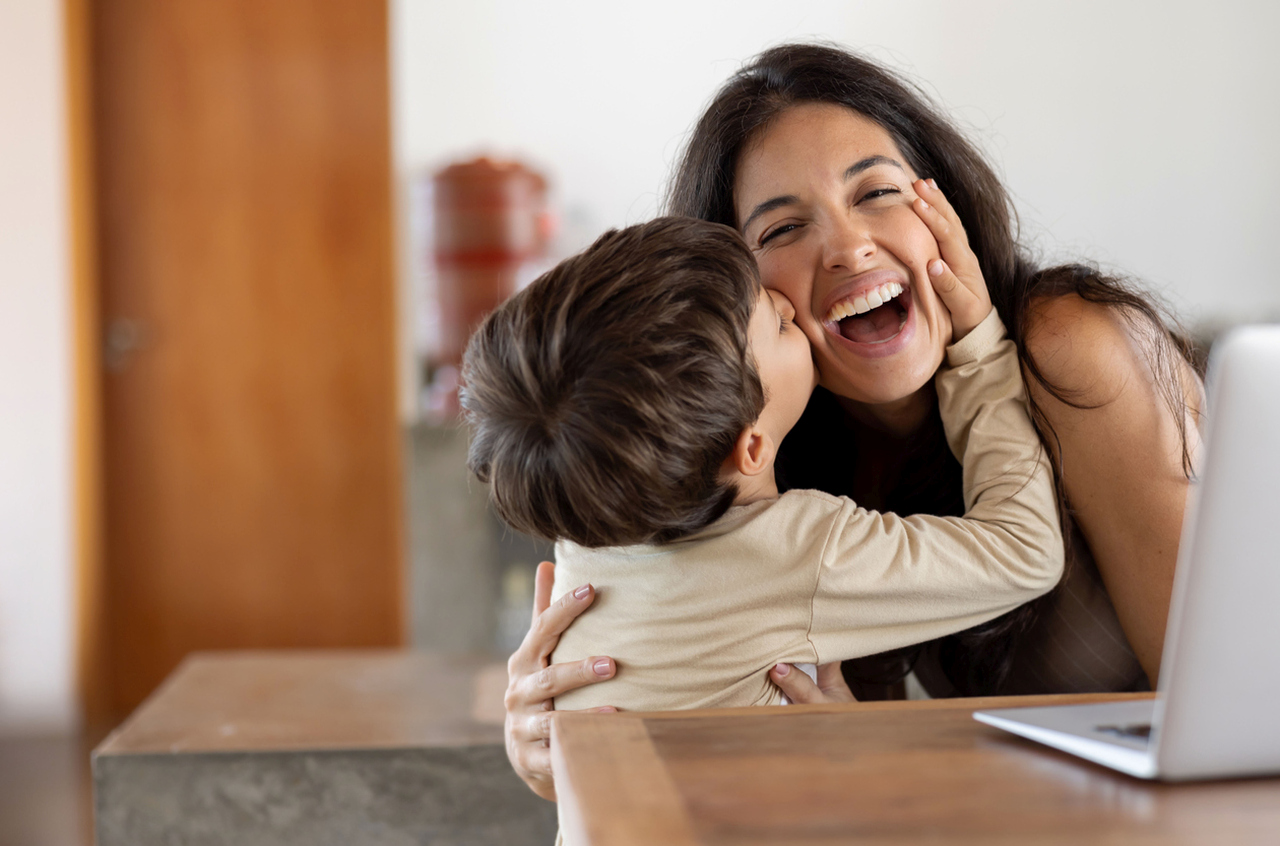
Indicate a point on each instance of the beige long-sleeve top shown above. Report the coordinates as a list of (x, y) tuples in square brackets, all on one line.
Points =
[(810, 577)]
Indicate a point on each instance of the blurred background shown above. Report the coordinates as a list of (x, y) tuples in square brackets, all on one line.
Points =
[(226, 262)]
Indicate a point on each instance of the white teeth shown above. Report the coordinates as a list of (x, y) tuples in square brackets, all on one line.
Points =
[(862, 305)]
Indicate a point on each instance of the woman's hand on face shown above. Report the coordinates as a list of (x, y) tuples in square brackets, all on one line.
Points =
[(801, 690), (956, 276), (533, 683)]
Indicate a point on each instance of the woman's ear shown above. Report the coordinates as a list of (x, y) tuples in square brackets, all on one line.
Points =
[(753, 451)]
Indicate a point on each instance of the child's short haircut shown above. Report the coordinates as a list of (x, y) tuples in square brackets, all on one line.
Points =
[(606, 396)]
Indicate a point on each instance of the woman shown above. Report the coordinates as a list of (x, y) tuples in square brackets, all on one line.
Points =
[(819, 158)]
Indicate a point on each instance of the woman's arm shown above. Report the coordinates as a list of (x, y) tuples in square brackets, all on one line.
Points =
[(533, 682), (1120, 453)]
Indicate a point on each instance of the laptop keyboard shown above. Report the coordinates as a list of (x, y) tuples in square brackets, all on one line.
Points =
[(1133, 731)]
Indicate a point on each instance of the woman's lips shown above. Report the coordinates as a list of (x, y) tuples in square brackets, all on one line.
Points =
[(861, 286), (865, 303), (880, 346)]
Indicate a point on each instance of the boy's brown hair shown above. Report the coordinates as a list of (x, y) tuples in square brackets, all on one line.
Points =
[(606, 396)]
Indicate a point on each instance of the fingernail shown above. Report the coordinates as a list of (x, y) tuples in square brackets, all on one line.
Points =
[(601, 667), (935, 268), (607, 709), (782, 669), (581, 593), (923, 203), (932, 183)]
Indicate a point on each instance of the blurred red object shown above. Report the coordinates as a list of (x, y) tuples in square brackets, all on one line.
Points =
[(491, 218)]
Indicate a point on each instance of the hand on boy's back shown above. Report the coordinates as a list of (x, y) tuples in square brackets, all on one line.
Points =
[(956, 277)]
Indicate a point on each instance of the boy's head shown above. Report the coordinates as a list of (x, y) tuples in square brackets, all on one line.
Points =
[(607, 397)]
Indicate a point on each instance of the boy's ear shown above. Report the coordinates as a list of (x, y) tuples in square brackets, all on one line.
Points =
[(753, 452)]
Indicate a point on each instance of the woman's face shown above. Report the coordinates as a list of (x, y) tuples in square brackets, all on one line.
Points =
[(823, 197)]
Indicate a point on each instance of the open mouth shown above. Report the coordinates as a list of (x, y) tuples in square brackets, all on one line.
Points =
[(872, 318)]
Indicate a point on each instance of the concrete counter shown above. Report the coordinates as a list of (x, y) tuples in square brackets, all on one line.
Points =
[(358, 747)]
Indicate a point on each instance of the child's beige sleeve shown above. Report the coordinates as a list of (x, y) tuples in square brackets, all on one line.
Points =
[(887, 581)]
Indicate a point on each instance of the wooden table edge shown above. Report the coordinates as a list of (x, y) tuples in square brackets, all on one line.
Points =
[(632, 797), (975, 703)]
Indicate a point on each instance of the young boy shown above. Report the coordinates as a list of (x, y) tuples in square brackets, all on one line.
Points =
[(629, 405)]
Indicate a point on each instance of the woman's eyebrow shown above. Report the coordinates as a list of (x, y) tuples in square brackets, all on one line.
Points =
[(768, 206), (871, 161)]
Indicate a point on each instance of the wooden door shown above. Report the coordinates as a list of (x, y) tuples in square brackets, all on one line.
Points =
[(251, 452)]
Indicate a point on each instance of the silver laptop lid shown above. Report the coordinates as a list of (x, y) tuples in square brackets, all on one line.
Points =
[(1220, 674)]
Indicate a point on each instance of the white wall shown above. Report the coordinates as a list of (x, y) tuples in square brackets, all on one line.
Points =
[(1141, 135), (36, 624)]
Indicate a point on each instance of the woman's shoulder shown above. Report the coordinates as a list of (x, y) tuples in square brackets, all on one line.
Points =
[(1090, 351)]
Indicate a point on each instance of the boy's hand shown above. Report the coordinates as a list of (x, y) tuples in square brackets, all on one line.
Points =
[(956, 276)]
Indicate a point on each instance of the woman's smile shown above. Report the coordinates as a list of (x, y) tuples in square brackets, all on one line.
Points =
[(823, 197), (870, 314)]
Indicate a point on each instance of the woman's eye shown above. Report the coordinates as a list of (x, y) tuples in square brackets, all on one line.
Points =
[(780, 230), (784, 323), (879, 192)]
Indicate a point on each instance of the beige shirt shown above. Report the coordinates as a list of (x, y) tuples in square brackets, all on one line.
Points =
[(810, 577)]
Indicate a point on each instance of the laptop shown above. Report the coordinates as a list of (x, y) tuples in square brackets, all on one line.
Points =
[(1217, 711)]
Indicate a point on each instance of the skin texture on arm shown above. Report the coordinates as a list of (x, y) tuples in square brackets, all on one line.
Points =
[(1120, 453)]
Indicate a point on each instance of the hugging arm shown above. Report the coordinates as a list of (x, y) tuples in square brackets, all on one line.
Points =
[(910, 579), (533, 682), (957, 278)]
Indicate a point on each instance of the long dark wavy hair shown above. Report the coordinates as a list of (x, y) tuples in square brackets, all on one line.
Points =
[(792, 74)]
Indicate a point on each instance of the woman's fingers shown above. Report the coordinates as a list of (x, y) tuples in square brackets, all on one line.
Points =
[(536, 728), (535, 689), (798, 687), (532, 685), (530, 728), (831, 682), (529, 749), (543, 582), (543, 635), (533, 765)]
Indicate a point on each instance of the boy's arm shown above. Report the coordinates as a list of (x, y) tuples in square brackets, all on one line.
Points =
[(887, 581)]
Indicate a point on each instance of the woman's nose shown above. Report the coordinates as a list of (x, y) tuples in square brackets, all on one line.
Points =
[(847, 247)]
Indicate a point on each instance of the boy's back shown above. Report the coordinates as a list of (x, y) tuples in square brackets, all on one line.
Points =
[(690, 623), (812, 578)]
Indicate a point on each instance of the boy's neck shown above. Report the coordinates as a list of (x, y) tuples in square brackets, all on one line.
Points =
[(755, 488)]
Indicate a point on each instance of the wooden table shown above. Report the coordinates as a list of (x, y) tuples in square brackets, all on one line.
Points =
[(875, 772)]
